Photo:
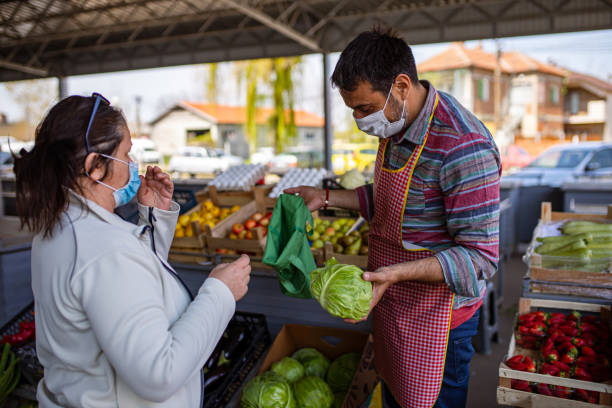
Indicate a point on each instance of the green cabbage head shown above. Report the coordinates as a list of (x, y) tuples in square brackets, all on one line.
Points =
[(342, 371), (313, 392), (341, 290), (268, 390), (313, 361), (289, 368)]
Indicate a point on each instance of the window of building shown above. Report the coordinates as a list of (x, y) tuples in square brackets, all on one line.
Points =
[(483, 89), (574, 103), (554, 94)]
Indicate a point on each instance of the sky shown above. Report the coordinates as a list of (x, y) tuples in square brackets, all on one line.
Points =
[(587, 52)]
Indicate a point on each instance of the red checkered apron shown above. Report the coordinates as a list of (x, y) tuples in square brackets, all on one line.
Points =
[(411, 322)]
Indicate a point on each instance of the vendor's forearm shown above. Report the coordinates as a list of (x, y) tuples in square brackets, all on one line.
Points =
[(422, 270), (343, 199)]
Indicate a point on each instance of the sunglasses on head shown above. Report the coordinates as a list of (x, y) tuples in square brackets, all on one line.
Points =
[(99, 98)]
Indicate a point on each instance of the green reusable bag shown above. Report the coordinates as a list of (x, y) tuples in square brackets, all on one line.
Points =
[(287, 248)]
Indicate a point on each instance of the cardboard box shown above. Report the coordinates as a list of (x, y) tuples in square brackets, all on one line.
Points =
[(332, 343)]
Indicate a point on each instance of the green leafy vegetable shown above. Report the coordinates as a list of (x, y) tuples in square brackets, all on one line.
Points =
[(342, 371), (313, 361), (313, 392), (268, 390), (289, 368), (341, 290)]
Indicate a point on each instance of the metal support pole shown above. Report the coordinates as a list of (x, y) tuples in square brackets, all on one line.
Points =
[(62, 87), (327, 134)]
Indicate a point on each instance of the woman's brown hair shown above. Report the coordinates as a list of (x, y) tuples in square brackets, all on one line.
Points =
[(44, 174)]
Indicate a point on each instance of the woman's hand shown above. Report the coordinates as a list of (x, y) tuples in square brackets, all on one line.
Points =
[(313, 197), (156, 189), (235, 275), (382, 278)]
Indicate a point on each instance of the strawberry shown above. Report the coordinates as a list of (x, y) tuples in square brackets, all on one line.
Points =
[(587, 351), (581, 374), (523, 330), (568, 358), (578, 341), (588, 361), (529, 365), (562, 392), (574, 316), (520, 385), (589, 339), (544, 389), (569, 331), (551, 355), (516, 362), (549, 369), (588, 327), (590, 319), (581, 395)]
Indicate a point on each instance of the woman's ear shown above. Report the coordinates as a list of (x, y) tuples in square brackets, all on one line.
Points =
[(95, 173)]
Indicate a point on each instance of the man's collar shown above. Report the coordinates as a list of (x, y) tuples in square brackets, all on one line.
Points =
[(418, 128)]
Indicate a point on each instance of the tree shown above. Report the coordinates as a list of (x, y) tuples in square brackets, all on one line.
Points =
[(35, 98)]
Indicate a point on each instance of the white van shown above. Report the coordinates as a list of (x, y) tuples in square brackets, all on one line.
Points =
[(145, 152)]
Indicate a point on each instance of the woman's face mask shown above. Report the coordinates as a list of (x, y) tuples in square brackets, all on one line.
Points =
[(124, 194), (377, 124)]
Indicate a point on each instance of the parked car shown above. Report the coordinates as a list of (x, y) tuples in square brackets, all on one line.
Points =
[(9, 143), (198, 160), (282, 163), (229, 158), (145, 152), (566, 163), (6, 163), (514, 157)]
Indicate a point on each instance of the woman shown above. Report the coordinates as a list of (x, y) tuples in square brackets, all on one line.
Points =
[(115, 326)]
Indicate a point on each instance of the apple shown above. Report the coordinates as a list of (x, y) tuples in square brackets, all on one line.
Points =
[(329, 231), (250, 224), (242, 234), (222, 251), (257, 216), (264, 222), (249, 234), (237, 228), (268, 215), (233, 236)]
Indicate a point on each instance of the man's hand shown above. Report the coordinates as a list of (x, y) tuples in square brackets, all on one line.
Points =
[(313, 197), (156, 189), (381, 279)]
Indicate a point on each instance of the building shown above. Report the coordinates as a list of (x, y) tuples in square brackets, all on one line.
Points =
[(223, 126), (530, 100), (587, 111)]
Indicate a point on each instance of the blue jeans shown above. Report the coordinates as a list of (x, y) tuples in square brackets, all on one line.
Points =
[(459, 352)]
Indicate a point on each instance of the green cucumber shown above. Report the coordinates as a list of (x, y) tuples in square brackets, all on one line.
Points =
[(601, 253), (565, 238), (549, 247), (582, 254)]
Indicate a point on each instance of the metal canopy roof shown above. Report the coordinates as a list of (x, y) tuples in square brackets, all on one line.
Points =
[(72, 37)]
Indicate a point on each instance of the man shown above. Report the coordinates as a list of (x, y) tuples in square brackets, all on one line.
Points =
[(434, 220)]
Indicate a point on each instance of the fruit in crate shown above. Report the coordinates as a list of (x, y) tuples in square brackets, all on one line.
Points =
[(207, 214), (337, 233), (246, 230)]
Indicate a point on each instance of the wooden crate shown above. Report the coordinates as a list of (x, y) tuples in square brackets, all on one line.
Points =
[(508, 396), (571, 282), (216, 238)]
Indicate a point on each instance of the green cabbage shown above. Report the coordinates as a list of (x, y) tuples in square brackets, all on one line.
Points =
[(313, 392), (341, 290), (268, 390), (313, 361), (352, 179), (289, 368), (342, 371)]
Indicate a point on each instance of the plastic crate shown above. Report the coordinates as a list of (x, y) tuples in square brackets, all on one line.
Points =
[(260, 341)]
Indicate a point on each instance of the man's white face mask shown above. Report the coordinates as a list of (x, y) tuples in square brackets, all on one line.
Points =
[(377, 124)]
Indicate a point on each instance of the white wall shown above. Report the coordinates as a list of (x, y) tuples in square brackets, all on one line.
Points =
[(170, 133)]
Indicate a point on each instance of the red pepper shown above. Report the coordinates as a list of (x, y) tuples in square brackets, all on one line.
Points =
[(544, 389), (520, 385)]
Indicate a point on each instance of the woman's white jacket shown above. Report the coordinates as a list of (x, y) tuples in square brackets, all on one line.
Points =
[(115, 327)]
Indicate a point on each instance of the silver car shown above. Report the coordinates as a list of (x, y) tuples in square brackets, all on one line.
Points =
[(567, 163)]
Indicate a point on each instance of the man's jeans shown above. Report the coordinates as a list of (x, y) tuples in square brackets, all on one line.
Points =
[(456, 368)]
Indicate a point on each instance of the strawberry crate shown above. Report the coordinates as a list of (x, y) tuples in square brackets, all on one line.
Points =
[(534, 389)]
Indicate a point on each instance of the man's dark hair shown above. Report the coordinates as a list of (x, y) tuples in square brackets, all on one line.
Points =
[(376, 56)]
